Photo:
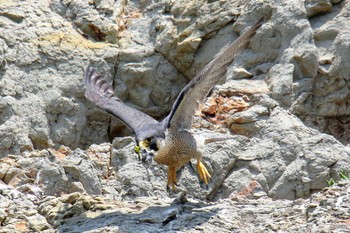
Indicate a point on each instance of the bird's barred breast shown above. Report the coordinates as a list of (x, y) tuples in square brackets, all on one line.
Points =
[(179, 148)]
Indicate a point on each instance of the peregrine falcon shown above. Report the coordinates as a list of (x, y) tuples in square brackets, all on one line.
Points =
[(169, 141)]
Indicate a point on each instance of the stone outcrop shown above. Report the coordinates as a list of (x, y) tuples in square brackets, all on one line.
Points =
[(26, 204), (274, 131)]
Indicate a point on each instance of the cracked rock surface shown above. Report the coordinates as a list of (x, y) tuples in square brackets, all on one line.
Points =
[(273, 132), (28, 210)]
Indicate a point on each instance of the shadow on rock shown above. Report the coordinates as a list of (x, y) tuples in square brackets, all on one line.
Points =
[(142, 215)]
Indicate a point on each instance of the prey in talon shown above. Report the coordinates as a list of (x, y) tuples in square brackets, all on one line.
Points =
[(168, 142)]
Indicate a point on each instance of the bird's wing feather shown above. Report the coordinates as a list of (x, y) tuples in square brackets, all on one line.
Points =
[(194, 92), (100, 92)]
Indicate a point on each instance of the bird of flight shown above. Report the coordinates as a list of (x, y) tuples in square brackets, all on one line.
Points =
[(169, 141)]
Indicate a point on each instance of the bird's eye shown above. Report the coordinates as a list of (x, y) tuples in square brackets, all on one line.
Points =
[(148, 140)]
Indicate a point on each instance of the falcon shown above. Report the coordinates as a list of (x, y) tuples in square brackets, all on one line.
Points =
[(169, 141)]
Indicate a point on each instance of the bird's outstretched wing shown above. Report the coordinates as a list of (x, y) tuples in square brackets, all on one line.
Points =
[(100, 92), (195, 91)]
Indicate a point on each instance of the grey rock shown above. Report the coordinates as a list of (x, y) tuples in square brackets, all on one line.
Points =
[(242, 180), (317, 7), (153, 40), (47, 173), (327, 210), (297, 65), (93, 21), (38, 223), (280, 80), (18, 212), (81, 169), (248, 122), (32, 66), (161, 90)]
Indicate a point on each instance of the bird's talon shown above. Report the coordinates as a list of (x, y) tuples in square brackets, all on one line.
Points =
[(203, 172)]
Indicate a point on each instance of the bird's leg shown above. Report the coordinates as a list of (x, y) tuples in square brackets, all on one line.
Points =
[(202, 172), (171, 177)]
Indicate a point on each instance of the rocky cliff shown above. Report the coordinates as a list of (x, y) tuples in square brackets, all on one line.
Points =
[(282, 108)]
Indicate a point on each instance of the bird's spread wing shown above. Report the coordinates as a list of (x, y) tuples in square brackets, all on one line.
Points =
[(100, 92), (194, 92)]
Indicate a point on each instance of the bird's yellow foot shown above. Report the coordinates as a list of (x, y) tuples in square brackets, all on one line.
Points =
[(171, 177), (203, 172)]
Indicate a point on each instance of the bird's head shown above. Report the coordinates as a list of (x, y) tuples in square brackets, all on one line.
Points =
[(148, 142), (148, 147)]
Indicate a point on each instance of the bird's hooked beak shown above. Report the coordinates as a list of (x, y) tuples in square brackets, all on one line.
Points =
[(145, 153)]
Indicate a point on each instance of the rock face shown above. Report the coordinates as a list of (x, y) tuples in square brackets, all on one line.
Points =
[(271, 138), (63, 196)]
